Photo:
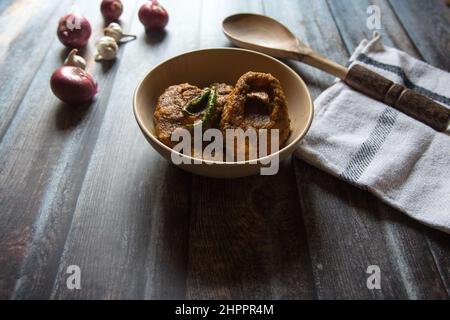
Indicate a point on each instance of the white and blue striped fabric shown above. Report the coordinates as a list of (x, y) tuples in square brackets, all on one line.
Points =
[(373, 146)]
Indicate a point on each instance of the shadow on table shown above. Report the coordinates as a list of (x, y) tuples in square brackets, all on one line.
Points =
[(212, 238), (375, 226), (348, 196), (247, 239), (154, 37), (68, 117)]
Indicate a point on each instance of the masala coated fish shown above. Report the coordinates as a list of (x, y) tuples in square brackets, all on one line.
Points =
[(256, 102), (169, 114)]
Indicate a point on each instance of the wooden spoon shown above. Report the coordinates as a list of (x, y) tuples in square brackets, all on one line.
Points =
[(264, 34)]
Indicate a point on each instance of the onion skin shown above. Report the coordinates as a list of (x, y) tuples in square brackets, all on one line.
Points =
[(73, 85), (74, 30), (111, 9), (153, 16)]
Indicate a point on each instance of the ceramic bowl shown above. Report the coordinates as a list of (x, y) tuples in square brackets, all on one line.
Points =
[(206, 66)]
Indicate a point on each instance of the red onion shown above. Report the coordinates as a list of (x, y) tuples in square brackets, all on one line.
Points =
[(111, 9), (74, 30), (73, 85), (153, 16)]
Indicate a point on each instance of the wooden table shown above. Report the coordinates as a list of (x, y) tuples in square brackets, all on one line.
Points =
[(81, 186)]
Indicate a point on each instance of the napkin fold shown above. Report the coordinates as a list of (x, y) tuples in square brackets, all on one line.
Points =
[(375, 147)]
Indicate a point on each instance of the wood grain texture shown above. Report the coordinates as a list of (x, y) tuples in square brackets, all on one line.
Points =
[(340, 246), (427, 24), (247, 240), (30, 148), (437, 37), (141, 198), (80, 129), (242, 230), (320, 221), (22, 45), (397, 235), (82, 186)]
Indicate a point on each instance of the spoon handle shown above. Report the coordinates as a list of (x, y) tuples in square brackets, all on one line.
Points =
[(395, 95), (314, 59), (379, 88)]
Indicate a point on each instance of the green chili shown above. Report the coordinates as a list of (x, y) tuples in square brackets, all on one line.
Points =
[(195, 101), (210, 108), (212, 100)]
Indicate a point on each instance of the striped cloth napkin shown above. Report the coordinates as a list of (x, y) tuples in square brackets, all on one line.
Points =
[(375, 147)]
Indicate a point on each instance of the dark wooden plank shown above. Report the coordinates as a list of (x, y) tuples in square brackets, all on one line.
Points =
[(353, 29), (43, 157), (334, 210), (428, 25), (25, 40), (338, 268), (406, 240), (130, 224), (364, 231), (440, 248), (246, 237), (21, 175)]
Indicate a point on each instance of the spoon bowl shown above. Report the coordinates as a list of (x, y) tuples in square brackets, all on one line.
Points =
[(264, 34)]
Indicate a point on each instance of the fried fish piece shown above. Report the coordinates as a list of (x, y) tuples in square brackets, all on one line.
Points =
[(223, 90), (256, 102), (169, 115)]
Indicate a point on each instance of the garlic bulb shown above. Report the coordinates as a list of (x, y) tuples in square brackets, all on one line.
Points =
[(106, 48), (75, 60), (114, 30)]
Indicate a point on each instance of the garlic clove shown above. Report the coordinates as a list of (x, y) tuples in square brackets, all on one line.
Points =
[(75, 60), (106, 48), (114, 30)]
